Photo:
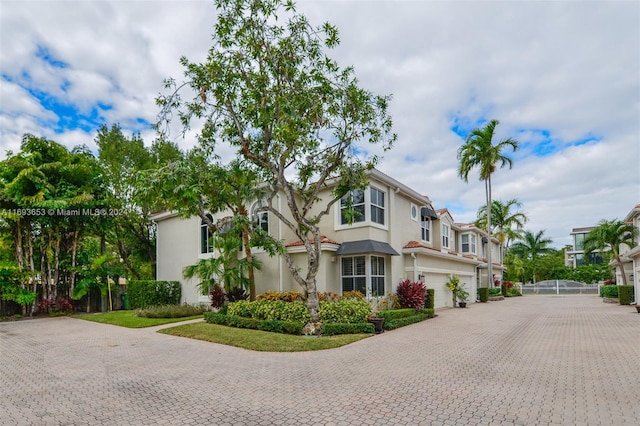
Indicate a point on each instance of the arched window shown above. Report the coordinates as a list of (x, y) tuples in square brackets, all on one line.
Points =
[(206, 236)]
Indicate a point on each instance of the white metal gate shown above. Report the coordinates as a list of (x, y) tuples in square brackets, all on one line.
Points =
[(559, 287)]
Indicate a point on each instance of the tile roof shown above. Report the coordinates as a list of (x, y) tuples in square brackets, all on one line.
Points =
[(323, 240)]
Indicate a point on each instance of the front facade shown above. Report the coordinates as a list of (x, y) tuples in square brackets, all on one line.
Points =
[(395, 235)]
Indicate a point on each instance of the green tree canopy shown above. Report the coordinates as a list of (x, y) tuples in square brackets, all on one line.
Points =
[(609, 235), (268, 89)]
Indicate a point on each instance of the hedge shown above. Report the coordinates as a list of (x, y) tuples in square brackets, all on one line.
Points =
[(625, 294), (401, 322), (286, 327), (610, 291), (146, 293), (332, 329), (483, 292), (397, 313), (430, 299)]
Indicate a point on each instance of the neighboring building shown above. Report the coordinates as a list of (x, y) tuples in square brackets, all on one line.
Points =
[(398, 235), (576, 257), (631, 256)]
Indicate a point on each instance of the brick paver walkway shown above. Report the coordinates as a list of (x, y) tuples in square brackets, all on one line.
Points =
[(535, 360)]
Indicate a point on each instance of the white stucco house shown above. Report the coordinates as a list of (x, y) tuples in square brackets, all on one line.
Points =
[(397, 235), (631, 255)]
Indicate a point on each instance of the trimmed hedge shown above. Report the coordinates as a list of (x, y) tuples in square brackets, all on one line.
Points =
[(332, 329), (146, 293), (397, 313), (401, 322), (430, 299), (285, 327), (610, 291), (346, 311), (483, 293), (505, 290), (625, 294)]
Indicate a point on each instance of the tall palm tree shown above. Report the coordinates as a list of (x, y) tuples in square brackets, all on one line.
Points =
[(479, 151), (531, 246), (507, 225), (610, 235)]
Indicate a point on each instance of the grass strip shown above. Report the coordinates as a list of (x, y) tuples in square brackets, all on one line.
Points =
[(257, 340), (129, 319)]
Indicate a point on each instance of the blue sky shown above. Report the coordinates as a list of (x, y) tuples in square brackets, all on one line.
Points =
[(563, 78)]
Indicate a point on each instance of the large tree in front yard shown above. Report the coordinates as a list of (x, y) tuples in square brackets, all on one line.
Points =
[(609, 235), (268, 89)]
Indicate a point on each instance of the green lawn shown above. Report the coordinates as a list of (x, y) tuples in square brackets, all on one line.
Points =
[(258, 340), (128, 319)]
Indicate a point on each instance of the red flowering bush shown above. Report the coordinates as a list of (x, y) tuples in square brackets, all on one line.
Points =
[(411, 294), (216, 296), (509, 284)]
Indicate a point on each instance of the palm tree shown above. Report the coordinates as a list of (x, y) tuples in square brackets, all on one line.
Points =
[(226, 267), (506, 224), (609, 235), (479, 151), (531, 246)]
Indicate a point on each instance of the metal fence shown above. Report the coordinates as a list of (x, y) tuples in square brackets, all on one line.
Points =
[(559, 287)]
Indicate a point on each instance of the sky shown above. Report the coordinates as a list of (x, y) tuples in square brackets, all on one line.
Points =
[(562, 77)]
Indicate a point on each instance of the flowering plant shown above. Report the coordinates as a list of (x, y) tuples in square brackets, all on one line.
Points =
[(457, 288)]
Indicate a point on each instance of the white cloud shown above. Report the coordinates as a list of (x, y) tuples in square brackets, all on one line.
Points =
[(571, 69)]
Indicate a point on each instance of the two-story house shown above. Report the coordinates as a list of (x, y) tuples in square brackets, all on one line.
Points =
[(576, 257), (395, 235)]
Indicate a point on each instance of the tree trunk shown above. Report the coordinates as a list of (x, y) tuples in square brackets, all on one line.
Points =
[(621, 267), (489, 243), (74, 251), (249, 256), (313, 304)]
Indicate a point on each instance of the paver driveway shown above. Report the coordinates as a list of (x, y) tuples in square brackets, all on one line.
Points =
[(569, 360)]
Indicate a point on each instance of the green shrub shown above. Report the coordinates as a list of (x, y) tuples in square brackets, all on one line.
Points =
[(610, 291), (171, 311), (285, 296), (495, 292), (625, 294), (401, 322), (397, 313), (333, 329), (286, 327), (348, 311), (430, 299), (275, 310), (215, 318), (241, 308), (483, 293), (143, 294)]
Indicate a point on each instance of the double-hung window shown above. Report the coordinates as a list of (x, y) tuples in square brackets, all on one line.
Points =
[(365, 274), (468, 243), (356, 198), (425, 225), (445, 235), (377, 206), (377, 276), (354, 274)]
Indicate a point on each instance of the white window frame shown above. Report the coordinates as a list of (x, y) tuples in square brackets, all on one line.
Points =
[(414, 212), (262, 218), (368, 275), (367, 207), (427, 221), (205, 233), (471, 243), (446, 236), (373, 205)]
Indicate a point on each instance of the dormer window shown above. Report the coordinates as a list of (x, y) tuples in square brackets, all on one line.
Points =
[(445, 235)]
